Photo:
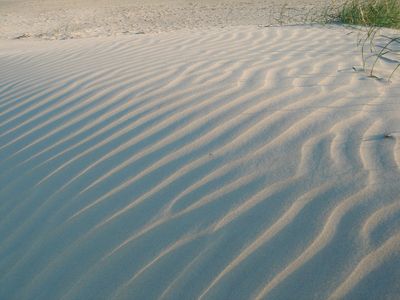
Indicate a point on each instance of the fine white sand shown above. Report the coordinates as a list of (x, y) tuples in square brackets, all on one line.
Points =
[(235, 163)]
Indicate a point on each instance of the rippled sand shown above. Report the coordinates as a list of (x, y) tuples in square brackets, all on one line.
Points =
[(239, 163)]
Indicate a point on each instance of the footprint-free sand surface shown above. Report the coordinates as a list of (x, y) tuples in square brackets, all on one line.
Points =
[(234, 163)]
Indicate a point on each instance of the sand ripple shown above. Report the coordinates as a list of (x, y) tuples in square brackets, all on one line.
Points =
[(228, 164)]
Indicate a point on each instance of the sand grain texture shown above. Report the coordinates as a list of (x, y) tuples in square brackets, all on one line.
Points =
[(239, 163), (71, 19)]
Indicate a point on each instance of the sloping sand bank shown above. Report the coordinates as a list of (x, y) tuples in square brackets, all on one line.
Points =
[(222, 164)]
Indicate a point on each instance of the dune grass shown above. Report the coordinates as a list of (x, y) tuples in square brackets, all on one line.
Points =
[(374, 15), (368, 17), (377, 13)]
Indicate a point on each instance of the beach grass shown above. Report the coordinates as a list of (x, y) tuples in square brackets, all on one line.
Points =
[(373, 15), (377, 13)]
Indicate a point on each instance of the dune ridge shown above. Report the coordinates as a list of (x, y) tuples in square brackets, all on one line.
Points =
[(220, 164)]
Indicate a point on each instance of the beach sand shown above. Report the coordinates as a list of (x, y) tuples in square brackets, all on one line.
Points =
[(65, 19), (242, 162)]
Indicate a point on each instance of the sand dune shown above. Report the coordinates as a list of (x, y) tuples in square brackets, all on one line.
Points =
[(240, 163)]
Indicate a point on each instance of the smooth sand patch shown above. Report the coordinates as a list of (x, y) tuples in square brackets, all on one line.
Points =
[(66, 19)]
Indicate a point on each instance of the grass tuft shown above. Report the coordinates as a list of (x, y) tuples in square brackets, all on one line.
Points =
[(374, 15), (377, 13)]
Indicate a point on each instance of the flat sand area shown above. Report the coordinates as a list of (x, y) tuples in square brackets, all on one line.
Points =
[(242, 162), (55, 19)]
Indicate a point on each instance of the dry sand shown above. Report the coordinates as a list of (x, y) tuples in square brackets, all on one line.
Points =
[(234, 163), (55, 19)]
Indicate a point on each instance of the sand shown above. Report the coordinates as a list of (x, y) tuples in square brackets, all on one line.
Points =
[(242, 162), (66, 19)]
